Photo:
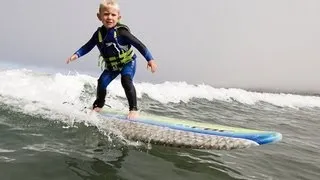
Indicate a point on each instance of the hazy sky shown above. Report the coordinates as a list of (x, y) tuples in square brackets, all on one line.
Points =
[(272, 44)]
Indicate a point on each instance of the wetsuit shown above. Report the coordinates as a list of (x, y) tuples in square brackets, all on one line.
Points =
[(110, 42)]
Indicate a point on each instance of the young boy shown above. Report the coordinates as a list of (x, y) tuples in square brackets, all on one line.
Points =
[(115, 42)]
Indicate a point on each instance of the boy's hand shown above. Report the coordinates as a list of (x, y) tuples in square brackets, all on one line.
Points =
[(152, 65), (72, 58)]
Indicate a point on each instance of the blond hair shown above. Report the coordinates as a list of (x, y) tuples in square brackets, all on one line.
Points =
[(109, 3)]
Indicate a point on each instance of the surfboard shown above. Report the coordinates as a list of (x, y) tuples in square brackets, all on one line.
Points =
[(185, 131)]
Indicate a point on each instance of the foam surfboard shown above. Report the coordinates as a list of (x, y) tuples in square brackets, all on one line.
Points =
[(194, 128)]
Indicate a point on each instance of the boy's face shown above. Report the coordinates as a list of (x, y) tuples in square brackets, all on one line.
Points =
[(109, 16)]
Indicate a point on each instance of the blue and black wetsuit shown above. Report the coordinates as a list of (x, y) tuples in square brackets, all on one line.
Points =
[(115, 46)]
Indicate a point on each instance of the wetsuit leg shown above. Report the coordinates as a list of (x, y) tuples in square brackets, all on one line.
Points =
[(104, 80), (127, 75)]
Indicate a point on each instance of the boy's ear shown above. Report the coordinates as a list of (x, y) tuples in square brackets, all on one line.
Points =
[(119, 18), (98, 16)]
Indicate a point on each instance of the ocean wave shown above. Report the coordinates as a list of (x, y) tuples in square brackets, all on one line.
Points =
[(57, 88)]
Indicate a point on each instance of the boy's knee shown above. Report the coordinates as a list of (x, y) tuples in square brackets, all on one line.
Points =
[(126, 82), (100, 81)]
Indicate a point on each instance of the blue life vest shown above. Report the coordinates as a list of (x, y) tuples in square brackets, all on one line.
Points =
[(122, 54)]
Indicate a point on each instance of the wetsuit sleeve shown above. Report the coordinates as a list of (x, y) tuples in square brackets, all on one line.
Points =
[(131, 39), (88, 46)]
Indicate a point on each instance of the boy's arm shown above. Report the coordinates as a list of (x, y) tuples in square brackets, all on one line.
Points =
[(131, 39), (88, 46)]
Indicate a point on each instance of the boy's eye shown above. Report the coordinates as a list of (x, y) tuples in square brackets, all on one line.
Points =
[(109, 14)]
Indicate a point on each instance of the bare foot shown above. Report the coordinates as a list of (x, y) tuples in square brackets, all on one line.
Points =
[(133, 114), (97, 109)]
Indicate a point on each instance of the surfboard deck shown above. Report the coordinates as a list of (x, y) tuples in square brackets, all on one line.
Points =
[(258, 136)]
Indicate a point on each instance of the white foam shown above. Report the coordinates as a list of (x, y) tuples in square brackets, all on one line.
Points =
[(6, 150), (181, 91), (6, 159), (52, 90), (43, 94)]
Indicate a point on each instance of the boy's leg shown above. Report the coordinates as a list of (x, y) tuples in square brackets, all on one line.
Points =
[(127, 74), (130, 91), (104, 80)]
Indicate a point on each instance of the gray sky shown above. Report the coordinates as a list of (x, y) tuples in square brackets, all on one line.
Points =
[(271, 44)]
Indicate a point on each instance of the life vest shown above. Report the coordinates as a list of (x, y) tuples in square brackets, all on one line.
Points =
[(116, 61)]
